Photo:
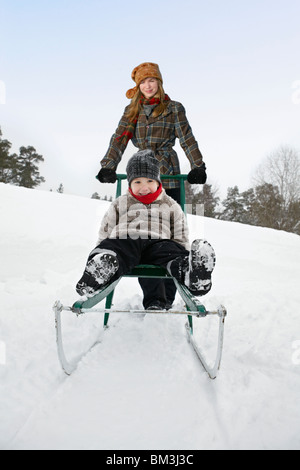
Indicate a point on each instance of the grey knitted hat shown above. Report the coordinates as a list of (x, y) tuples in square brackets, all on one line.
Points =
[(143, 164)]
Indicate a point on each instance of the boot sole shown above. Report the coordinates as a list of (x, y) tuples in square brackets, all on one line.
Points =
[(203, 254), (202, 263), (101, 268)]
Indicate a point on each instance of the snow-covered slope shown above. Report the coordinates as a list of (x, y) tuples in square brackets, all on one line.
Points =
[(142, 387)]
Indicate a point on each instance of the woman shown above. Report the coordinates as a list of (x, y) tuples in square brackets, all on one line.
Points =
[(154, 121)]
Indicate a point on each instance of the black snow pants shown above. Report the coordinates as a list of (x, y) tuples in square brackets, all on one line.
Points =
[(131, 253)]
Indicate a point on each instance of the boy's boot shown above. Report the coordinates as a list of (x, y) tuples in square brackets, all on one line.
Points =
[(202, 261), (98, 271), (195, 270)]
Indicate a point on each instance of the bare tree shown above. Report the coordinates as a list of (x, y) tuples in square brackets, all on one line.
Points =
[(282, 169)]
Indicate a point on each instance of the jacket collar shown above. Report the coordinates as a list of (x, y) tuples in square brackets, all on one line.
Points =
[(143, 117)]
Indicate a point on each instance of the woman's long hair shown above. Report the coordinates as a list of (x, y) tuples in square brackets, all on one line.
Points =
[(135, 106)]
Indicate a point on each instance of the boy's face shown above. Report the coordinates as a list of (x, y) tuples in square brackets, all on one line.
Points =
[(143, 186)]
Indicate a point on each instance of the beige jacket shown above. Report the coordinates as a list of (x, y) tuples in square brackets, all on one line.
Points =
[(129, 218)]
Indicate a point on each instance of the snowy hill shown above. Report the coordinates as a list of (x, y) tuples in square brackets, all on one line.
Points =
[(142, 387)]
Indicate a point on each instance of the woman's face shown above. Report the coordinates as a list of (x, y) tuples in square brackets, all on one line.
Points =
[(149, 87)]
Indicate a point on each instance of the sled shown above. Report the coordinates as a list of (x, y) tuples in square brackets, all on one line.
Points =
[(194, 308)]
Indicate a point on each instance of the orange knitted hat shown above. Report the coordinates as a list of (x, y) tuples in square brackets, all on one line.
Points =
[(139, 73)]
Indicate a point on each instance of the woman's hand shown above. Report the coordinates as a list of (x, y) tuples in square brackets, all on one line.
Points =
[(197, 175), (107, 175)]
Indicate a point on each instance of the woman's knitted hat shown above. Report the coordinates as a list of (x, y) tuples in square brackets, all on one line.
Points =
[(143, 164), (142, 71)]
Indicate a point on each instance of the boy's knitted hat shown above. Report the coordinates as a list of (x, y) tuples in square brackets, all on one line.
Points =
[(142, 71), (143, 164)]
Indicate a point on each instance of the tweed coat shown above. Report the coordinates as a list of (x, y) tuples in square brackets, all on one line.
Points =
[(129, 218), (159, 134)]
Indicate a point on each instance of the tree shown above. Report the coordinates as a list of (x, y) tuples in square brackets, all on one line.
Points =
[(95, 196), (60, 188), (233, 206), (21, 169), (293, 218), (282, 169), (266, 207), (7, 162), (27, 167), (248, 199), (206, 198)]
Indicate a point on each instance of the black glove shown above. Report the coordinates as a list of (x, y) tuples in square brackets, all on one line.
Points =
[(197, 175), (107, 175)]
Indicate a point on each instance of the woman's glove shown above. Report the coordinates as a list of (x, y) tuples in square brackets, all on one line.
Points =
[(107, 175), (197, 175)]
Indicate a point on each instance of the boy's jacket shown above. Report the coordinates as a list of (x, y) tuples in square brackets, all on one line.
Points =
[(129, 218)]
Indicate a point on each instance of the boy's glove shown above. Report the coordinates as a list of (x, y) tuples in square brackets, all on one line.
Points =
[(197, 175), (107, 175)]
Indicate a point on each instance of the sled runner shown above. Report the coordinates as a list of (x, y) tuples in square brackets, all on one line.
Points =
[(193, 306)]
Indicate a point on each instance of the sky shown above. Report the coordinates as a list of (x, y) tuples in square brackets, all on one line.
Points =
[(66, 65)]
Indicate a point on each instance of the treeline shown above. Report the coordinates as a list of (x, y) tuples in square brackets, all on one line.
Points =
[(273, 201), (102, 198)]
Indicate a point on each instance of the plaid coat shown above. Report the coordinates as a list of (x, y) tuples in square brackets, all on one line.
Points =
[(158, 134)]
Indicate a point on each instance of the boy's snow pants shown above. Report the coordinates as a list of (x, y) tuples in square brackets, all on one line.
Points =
[(131, 253)]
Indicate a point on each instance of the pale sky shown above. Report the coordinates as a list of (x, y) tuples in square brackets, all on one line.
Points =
[(65, 66)]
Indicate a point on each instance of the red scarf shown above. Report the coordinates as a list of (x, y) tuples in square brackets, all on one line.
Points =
[(128, 134), (149, 198)]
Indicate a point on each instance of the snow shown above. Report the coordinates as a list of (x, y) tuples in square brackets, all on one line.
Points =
[(141, 386)]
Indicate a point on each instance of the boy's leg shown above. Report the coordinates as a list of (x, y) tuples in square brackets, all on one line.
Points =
[(111, 259), (169, 283), (154, 294), (160, 252), (158, 291)]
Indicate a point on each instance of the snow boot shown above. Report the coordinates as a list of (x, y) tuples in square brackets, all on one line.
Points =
[(156, 305), (202, 261), (194, 271), (99, 270)]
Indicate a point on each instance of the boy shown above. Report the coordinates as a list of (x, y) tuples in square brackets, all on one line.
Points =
[(145, 226)]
